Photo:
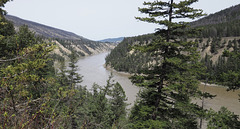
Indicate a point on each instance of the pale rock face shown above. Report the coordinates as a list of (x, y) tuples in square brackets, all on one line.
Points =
[(102, 47), (62, 47)]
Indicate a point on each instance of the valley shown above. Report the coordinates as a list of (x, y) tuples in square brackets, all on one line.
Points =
[(65, 41), (183, 75)]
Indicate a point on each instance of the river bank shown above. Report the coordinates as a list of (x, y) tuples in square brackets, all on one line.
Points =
[(109, 68), (228, 99), (93, 71)]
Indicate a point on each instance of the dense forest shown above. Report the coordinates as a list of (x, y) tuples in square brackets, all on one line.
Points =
[(123, 60), (212, 40), (35, 94), (224, 23)]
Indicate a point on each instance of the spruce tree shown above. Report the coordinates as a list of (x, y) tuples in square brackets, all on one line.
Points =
[(74, 77), (165, 101), (118, 104)]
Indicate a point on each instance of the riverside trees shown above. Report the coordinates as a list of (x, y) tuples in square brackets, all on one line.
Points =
[(34, 95), (171, 82)]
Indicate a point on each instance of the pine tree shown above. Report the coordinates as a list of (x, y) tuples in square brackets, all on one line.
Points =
[(105, 106), (118, 105), (2, 4), (73, 76), (165, 102), (74, 79)]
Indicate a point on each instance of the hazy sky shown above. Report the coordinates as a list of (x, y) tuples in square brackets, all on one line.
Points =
[(96, 19)]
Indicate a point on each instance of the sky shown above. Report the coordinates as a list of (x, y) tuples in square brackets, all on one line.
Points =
[(97, 19)]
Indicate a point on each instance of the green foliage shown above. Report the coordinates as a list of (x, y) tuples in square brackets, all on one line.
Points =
[(7, 27), (73, 76), (226, 69), (34, 95), (26, 78), (224, 23), (226, 29), (170, 82), (102, 108), (2, 4), (122, 60), (223, 119), (24, 97), (25, 37), (231, 74)]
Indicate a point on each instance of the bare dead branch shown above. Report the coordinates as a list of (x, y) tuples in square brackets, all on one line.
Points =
[(8, 60)]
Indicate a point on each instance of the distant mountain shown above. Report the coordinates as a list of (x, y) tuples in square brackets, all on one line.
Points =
[(66, 41), (44, 30), (113, 40)]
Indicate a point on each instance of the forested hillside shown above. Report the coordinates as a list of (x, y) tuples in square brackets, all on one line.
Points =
[(123, 58), (225, 23), (170, 78), (212, 42)]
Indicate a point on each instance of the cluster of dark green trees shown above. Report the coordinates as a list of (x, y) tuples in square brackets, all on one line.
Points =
[(226, 29), (227, 62), (121, 59), (224, 23), (33, 94)]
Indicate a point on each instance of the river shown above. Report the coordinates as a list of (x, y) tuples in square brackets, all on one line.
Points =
[(92, 68), (93, 71)]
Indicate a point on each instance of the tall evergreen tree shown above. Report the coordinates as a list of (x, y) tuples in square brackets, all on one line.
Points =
[(74, 77), (170, 84)]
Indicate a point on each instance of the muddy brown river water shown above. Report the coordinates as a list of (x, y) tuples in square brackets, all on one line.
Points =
[(93, 70), (229, 99)]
